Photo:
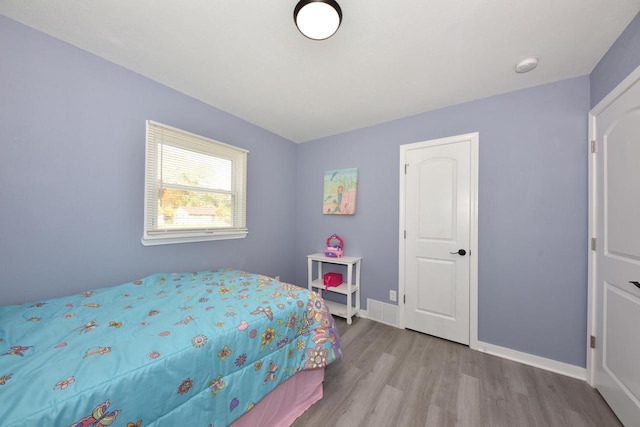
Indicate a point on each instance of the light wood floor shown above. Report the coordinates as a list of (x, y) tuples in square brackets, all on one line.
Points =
[(393, 377)]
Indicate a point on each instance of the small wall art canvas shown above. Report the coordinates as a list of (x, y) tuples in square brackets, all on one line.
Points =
[(340, 188)]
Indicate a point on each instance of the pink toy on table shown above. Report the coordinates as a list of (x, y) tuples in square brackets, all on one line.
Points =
[(334, 246)]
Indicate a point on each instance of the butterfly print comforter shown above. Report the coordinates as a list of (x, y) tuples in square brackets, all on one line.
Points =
[(196, 349)]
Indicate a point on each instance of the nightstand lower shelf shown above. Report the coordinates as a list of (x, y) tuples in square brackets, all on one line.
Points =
[(340, 310)]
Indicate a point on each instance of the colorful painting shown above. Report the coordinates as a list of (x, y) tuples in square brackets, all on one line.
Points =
[(340, 188)]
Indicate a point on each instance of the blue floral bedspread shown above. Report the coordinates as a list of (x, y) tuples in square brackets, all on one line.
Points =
[(196, 349)]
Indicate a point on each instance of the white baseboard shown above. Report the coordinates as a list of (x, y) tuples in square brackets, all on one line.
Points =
[(533, 360), (364, 314)]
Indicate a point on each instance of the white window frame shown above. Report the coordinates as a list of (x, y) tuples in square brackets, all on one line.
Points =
[(158, 134)]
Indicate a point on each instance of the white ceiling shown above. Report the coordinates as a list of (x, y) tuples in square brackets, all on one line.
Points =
[(388, 60)]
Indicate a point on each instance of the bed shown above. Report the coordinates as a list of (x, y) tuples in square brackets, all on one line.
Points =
[(197, 349)]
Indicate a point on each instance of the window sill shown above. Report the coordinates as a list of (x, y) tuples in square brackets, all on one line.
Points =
[(157, 240)]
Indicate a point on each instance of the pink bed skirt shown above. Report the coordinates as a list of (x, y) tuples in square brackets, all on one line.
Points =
[(282, 406)]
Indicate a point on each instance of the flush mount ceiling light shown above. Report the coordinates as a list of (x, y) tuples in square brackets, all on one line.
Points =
[(317, 19)]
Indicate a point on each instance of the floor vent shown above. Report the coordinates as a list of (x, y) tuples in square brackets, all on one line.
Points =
[(382, 312)]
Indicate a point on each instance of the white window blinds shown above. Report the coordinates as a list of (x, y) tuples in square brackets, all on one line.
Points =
[(195, 188)]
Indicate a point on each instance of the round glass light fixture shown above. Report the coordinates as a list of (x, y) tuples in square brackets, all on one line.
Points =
[(317, 19)]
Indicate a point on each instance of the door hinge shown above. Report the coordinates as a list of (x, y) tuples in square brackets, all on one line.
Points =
[(405, 234), (592, 341), (406, 165), (593, 243), (404, 299), (594, 146)]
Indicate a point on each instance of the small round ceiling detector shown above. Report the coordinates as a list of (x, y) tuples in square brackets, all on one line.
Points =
[(526, 65)]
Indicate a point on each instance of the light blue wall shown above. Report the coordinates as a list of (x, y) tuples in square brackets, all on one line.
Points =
[(532, 203), (621, 59), (72, 130)]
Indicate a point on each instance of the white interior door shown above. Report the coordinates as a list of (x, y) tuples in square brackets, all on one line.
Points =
[(438, 208), (617, 276)]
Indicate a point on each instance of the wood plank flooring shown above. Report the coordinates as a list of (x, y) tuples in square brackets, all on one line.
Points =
[(393, 377)]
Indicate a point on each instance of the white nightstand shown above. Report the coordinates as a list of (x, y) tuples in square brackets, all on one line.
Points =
[(348, 288)]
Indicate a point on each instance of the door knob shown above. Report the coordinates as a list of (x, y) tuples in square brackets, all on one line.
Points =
[(635, 283), (461, 252)]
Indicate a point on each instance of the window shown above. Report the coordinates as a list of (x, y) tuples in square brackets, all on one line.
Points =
[(195, 188)]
